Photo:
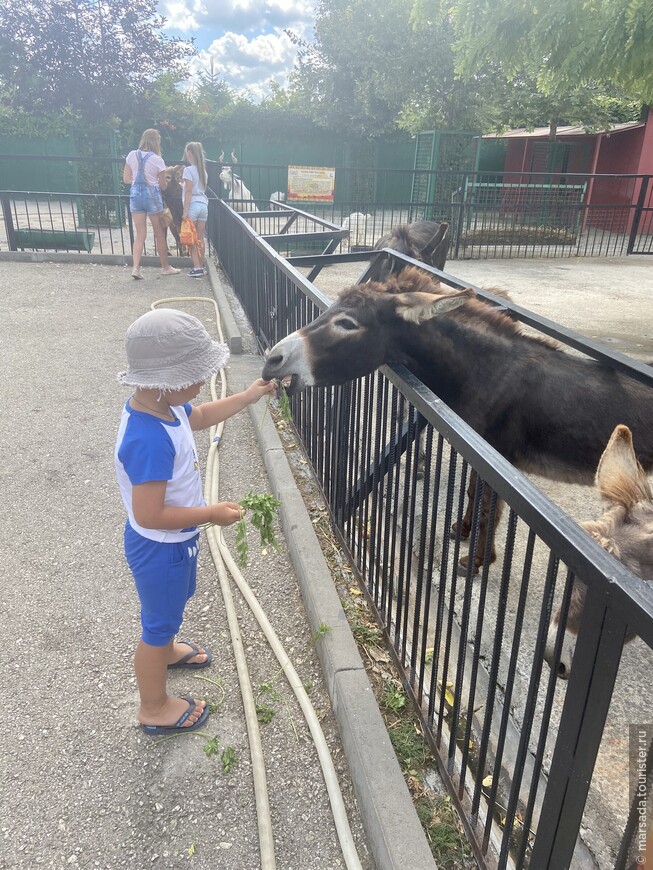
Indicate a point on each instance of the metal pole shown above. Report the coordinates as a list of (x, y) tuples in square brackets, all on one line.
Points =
[(9, 223), (587, 701), (638, 214)]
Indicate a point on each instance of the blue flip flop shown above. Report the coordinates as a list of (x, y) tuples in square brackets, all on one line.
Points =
[(179, 726), (192, 666)]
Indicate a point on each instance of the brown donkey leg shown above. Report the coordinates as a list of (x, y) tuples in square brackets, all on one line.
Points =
[(466, 522), (485, 532)]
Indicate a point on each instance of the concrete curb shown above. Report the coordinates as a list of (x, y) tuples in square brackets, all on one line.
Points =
[(395, 834), (229, 327), (87, 259)]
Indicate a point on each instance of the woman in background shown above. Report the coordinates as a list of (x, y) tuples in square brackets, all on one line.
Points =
[(145, 171)]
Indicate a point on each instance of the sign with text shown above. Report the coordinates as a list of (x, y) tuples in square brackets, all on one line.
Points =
[(311, 183)]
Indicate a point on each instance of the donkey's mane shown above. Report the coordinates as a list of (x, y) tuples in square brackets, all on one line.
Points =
[(476, 313), (402, 234)]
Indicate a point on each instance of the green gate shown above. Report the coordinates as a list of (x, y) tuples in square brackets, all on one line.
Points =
[(440, 155)]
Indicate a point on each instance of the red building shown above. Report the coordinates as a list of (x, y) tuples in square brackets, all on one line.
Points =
[(624, 149)]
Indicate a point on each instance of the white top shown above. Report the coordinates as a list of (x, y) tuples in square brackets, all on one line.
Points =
[(148, 449), (153, 165), (197, 193)]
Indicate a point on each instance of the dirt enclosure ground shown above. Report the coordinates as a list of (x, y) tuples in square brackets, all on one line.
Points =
[(610, 301)]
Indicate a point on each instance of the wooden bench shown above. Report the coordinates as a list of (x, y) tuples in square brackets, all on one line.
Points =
[(57, 240)]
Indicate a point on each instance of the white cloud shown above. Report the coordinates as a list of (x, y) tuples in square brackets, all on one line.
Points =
[(245, 38), (241, 16), (184, 16), (247, 65)]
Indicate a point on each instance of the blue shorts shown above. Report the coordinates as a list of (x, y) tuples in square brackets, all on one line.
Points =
[(198, 211), (145, 198), (165, 576)]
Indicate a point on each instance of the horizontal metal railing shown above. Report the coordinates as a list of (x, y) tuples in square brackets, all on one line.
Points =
[(492, 214), (81, 222), (516, 750)]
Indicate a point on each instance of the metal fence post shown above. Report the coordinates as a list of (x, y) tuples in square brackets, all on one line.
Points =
[(341, 450), (638, 214), (459, 217), (587, 701), (9, 223)]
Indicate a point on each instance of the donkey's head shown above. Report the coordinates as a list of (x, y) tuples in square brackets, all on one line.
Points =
[(625, 529), (174, 176), (365, 328), (427, 241)]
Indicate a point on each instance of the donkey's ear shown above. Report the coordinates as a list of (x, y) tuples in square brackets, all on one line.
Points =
[(435, 251), (619, 477), (418, 306)]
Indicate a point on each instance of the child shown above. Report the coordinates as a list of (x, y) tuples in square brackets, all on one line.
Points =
[(145, 171), (196, 203), (169, 356)]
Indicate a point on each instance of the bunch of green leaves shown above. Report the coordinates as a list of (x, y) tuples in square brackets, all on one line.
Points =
[(284, 403), (263, 509), (229, 759), (212, 746), (265, 712)]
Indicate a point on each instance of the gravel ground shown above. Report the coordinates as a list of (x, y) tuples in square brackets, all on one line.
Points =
[(80, 784)]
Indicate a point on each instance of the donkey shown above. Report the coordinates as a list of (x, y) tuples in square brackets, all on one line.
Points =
[(240, 196), (427, 241), (546, 411), (174, 209), (625, 529)]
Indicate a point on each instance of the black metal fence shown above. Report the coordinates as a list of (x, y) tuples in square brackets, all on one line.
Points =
[(42, 221), (492, 215), (516, 749)]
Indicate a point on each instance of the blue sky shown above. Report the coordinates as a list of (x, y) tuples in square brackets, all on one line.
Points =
[(245, 38)]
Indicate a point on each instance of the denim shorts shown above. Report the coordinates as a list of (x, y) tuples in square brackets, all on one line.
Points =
[(145, 198), (165, 577), (198, 211)]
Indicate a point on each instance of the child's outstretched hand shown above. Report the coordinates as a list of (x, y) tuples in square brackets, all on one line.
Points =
[(225, 513), (260, 388)]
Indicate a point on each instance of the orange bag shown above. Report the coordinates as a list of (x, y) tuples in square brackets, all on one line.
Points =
[(188, 233)]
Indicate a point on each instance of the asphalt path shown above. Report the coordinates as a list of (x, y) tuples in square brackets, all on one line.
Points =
[(80, 785)]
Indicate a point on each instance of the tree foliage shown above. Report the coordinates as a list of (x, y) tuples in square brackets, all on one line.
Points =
[(563, 43), (423, 64), (373, 70), (91, 56), (370, 70), (211, 93)]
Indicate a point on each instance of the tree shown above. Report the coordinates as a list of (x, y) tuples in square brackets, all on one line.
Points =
[(212, 94), (91, 56), (369, 71), (563, 44), (499, 40)]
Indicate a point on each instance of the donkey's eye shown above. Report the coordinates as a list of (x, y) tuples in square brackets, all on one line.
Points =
[(346, 323)]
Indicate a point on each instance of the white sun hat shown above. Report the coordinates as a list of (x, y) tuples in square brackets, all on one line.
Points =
[(170, 350)]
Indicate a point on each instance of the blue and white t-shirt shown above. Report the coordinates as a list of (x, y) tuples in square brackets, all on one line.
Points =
[(149, 449)]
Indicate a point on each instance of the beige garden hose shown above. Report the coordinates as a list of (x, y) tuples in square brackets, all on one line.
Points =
[(225, 564)]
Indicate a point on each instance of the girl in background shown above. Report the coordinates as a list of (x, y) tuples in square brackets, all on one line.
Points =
[(196, 203), (145, 171)]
